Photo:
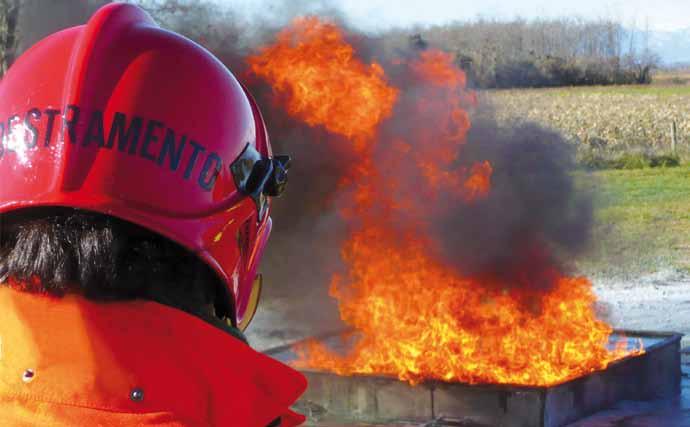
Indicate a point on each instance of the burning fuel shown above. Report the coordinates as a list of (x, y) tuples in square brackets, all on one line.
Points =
[(456, 233)]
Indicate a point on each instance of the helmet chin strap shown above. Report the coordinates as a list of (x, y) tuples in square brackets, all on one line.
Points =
[(225, 325)]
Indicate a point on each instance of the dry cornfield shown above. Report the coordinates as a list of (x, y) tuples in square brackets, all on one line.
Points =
[(616, 119)]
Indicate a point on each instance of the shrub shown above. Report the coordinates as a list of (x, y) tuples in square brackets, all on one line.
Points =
[(631, 161), (608, 159), (665, 161)]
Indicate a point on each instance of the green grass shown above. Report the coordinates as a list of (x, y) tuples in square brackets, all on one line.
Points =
[(597, 160), (642, 206), (642, 221)]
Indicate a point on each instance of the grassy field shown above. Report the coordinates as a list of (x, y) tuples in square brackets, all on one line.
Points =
[(676, 77), (642, 221), (642, 214), (607, 122), (663, 90)]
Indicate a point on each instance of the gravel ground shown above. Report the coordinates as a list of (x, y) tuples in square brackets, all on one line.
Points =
[(656, 302), (284, 319)]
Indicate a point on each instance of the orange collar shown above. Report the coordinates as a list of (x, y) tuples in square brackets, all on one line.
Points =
[(136, 357)]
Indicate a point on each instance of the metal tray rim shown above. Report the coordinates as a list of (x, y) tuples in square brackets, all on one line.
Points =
[(669, 339)]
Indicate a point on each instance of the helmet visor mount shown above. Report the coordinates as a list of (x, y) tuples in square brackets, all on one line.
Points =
[(260, 177)]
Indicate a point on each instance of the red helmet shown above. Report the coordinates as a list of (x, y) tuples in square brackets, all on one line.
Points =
[(121, 117)]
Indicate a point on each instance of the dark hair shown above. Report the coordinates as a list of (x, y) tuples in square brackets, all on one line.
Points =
[(61, 250)]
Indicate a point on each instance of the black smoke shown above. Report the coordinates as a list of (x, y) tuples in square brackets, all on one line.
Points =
[(534, 221), (523, 235)]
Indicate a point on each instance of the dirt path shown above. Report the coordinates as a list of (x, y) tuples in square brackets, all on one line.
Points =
[(657, 302)]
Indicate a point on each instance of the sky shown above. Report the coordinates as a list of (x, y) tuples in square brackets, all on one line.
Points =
[(373, 15)]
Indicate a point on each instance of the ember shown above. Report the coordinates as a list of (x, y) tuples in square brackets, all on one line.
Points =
[(417, 317)]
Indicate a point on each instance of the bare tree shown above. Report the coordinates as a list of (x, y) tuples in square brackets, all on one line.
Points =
[(9, 11), (24, 22), (539, 52), (642, 60)]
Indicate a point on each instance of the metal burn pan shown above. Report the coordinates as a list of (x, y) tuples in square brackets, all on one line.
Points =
[(656, 374)]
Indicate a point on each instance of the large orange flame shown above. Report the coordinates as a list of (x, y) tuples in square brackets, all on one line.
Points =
[(415, 317), (419, 320), (324, 82)]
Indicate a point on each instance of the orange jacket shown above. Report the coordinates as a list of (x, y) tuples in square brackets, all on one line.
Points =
[(72, 362)]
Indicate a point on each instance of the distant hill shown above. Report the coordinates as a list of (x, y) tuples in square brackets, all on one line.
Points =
[(672, 46)]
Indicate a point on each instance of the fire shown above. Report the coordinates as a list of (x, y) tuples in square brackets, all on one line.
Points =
[(443, 108), (437, 68), (416, 317), (325, 84), (478, 184)]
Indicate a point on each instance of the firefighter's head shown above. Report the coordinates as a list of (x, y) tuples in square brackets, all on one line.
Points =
[(119, 128)]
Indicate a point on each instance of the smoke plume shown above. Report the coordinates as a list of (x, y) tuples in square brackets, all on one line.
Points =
[(520, 236)]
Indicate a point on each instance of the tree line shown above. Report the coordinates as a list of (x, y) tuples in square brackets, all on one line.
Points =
[(539, 53), (495, 54)]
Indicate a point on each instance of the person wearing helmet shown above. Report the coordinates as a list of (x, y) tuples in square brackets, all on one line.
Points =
[(136, 178)]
